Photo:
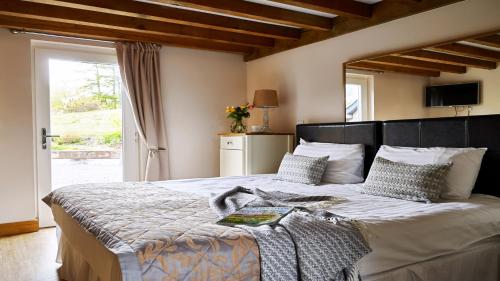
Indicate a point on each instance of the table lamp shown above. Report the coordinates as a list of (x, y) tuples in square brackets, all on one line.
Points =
[(265, 99)]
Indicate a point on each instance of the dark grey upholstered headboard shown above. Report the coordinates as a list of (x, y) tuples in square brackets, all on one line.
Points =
[(367, 133), (473, 131)]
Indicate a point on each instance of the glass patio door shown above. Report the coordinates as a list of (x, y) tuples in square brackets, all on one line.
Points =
[(84, 128)]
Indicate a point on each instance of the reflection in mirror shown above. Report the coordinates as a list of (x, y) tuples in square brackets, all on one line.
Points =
[(358, 100), (392, 86)]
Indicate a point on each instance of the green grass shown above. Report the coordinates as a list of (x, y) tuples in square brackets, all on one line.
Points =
[(59, 147), (87, 123), (98, 129)]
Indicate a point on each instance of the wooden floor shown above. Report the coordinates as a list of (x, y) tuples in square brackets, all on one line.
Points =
[(29, 257)]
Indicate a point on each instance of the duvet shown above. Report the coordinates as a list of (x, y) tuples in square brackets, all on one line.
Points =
[(159, 234)]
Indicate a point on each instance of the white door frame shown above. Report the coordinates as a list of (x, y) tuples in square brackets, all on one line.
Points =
[(42, 53)]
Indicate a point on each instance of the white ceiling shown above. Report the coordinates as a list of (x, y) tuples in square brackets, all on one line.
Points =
[(480, 46), (295, 8), (289, 7), (264, 2)]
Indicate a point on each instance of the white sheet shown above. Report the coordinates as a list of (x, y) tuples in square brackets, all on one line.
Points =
[(400, 232), (479, 261)]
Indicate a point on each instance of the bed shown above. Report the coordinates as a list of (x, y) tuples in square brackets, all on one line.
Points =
[(455, 240)]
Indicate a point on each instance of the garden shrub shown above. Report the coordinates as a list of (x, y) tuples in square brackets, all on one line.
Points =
[(69, 139), (81, 104), (112, 138)]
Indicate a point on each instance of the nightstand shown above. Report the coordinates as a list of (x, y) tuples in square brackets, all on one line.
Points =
[(253, 153)]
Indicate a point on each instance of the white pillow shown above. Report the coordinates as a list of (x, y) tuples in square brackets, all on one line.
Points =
[(345, 161), (462, 175)]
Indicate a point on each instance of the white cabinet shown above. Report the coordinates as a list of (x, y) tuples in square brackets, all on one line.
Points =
[(231, 162), (249, 154)]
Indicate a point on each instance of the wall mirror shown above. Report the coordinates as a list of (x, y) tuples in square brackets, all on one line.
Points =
[(452, 78)]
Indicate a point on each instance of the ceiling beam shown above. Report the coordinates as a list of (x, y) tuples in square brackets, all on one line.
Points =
[(256, 11), (89, 32), (490, 41), (70, 15), (449, 59), (468, 51), (337, 7), (382, 12), (371, 66), (179, 16), (401, 61)]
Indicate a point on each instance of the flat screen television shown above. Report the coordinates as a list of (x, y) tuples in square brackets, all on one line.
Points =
[(452, 95)]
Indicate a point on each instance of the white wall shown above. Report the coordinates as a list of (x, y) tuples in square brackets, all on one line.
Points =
[(399, 96), (17, 191), (197, 85), (310, 79)]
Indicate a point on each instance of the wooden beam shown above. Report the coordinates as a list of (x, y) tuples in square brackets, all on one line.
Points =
[(82, 31), (490, 41), (179, 16), (371, 66), (15, 228), (256, 11), (449, 59), (70, 15), (382, 12), (337, 7), (468, 51), (414, 63)]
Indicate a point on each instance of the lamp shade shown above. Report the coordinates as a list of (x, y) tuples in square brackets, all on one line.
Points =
[(265, 98)]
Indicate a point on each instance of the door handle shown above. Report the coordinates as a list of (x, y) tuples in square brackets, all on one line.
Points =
[(45, 136)]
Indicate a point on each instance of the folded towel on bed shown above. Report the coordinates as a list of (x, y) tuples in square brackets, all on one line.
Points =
[(230, 201), (306, 244)]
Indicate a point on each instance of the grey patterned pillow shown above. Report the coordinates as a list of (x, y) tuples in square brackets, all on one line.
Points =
[(302, 169), (406, 181)]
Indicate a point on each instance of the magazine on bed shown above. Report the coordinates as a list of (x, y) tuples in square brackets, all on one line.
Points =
[(256, 216)]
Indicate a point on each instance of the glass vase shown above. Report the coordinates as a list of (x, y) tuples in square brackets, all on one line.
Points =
[(238, 127)]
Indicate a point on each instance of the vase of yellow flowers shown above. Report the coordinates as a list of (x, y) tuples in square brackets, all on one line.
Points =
[(238, 114)]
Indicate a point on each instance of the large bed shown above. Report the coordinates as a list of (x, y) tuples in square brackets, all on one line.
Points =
[(449, 240)]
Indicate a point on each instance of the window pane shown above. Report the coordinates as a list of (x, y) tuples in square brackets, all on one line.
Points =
[(353, 102), (86, 111)]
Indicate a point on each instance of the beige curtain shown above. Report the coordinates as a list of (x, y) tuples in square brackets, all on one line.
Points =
[(140, 71)]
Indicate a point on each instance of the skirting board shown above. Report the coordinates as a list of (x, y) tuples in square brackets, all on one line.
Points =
[(14, 228)]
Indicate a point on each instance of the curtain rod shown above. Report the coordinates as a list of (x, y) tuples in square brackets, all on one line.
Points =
[(20, 31)]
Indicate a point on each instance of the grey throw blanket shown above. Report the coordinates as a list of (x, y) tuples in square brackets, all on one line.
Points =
[(305, 245)]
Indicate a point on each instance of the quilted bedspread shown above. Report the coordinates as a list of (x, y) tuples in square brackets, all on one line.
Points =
[(159, 234)]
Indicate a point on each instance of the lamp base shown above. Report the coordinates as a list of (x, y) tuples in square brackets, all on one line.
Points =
[(266, 129), (259, 129), (265, 121)]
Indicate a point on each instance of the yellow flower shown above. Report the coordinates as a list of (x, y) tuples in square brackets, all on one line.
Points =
[(230, 109)]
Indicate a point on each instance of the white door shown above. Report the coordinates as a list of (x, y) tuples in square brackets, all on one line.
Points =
[(84, 127)]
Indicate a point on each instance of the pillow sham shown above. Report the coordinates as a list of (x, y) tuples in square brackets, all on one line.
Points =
[(462, 175), (345, 161), (302, 169), (405, 181)]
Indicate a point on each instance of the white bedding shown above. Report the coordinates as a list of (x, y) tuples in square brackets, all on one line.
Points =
[(399, 232)]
